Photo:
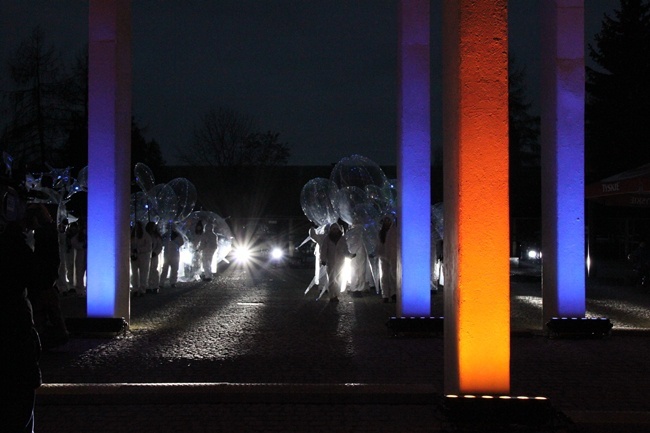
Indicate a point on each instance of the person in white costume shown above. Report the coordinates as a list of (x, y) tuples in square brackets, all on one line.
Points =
[(387, 254), (141, 246), (207, 246), (318, 235), (156, 249), (79, 243), (171, 257), (333, 254)]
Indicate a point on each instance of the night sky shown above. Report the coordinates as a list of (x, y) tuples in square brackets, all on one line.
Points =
[(322, 73)]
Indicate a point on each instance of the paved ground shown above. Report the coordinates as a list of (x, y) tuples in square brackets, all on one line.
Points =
[(250, 351)]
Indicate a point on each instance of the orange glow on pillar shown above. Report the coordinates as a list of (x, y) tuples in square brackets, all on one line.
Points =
[(477, 306)]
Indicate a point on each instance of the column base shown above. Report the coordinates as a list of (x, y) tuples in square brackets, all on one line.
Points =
[(415, 325), (578, 327), (496, 412), (97, 326)]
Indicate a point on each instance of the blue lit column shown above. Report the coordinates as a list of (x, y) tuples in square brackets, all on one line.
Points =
[(109, 157), (414, 161), (562, 142)]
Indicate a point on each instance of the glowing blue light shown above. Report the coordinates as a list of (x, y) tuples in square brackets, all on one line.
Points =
[(414, 160), (563, 101), (109, 149), (570, 204)]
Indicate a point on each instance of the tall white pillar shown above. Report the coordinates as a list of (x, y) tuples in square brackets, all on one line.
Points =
[(414, 161), (109, 158), (562, 142), (475, 163)]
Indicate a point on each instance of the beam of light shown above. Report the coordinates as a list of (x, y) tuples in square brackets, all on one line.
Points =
[(534, 301), (346, 274), (414, 161), (562, 139), (477, 289), (227, 339), (185, 258), (109, 146), (636, 315)]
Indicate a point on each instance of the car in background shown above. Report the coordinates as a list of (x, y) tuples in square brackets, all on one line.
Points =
[(258, 252), (531, 251), (271, 242), (303, 255)]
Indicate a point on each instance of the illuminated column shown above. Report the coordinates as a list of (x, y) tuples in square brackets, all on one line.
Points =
[(475, 161), (109, 157), (414, 161), (562, 141)]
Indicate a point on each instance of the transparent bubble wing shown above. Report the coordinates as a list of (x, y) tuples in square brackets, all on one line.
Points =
[(315, 202), (185, 196), (82, 178), (359, 171), (144, 177), (142, 208), (166, 202), (346, 199)]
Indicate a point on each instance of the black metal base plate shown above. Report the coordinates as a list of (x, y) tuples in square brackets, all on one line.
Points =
[(96, 326), (494, 413), (416, 325), (578, 327)]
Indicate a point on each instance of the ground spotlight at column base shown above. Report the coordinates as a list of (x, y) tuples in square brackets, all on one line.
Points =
[(578, 327), (498, 411), (415, 325)]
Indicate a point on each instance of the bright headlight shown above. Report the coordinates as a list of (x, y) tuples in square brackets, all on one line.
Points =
[(242, 254), (533, 254), (277, 253)]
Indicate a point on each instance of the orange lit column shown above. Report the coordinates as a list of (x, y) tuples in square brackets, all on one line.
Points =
[(109, 157), (562, 142), (475, 156)]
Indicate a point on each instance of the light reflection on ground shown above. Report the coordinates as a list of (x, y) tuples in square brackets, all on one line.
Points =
[(535, 301)]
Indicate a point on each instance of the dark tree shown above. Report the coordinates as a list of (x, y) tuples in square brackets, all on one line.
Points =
[(228, 138), (76, 147), (266, 149), (49, 108), (524, 128), (39, 112), (617, 130), (75, 150), (146, 152), (524, 159), (142, 150)]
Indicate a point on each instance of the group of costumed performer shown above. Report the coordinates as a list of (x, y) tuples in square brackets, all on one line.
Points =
[(352, 201), (360, 200)]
